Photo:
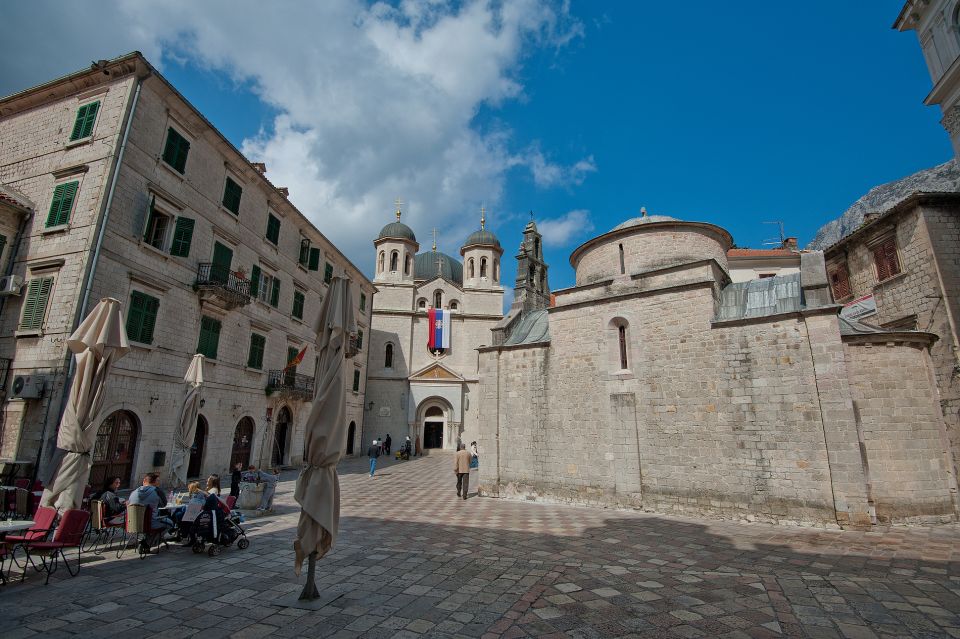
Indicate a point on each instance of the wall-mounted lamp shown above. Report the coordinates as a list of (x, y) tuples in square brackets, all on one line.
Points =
[(202, 402), (370, 405)]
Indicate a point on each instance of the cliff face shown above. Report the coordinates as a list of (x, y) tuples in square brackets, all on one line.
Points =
[(941, 178)]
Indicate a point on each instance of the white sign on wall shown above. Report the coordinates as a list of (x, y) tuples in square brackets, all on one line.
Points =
[(859, 308), (384, 411)]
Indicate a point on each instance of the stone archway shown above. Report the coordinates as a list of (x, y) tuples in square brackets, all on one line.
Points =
[(434, 424), (351, 435), (281, 437), (113, 451), (242, 443)]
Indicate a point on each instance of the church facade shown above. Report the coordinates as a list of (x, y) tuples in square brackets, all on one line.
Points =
[(657, 382), (430, 313)]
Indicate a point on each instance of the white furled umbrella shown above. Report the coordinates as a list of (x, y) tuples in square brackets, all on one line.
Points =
[(97, 344), (187, 428), (318, 489)]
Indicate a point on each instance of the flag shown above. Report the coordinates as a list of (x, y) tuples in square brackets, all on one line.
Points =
[(297, 359), (439, 326)]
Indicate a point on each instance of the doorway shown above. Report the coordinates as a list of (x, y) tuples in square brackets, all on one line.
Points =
[(351, 435), (113, 451), (196, 450), (433, 435), (280, 436), (242, 442)]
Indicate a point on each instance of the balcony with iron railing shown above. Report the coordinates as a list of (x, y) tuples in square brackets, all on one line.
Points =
[(219, 285), (288, 383)]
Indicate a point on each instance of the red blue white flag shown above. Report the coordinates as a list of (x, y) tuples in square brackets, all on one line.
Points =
[(439, 323)]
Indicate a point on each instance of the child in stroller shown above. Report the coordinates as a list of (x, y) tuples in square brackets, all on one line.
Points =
[(217, 526)]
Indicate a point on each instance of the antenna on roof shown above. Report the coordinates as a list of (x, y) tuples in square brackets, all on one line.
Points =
[(774, 241)]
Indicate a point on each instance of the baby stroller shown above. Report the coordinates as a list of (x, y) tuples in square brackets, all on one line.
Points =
[(219, 530)]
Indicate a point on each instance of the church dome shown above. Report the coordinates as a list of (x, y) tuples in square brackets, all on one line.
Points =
[(482, 237), (429, 264), (397, 230), (644, 219)]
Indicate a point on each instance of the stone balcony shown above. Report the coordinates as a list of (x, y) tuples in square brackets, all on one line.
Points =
[(220, 286), (291, 385)]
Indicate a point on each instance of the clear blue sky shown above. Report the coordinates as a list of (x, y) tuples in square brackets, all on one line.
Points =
[(734, 114)]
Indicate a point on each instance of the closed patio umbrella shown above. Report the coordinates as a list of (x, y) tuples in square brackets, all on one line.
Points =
[(187, 428), (318, 489), (97, 344)]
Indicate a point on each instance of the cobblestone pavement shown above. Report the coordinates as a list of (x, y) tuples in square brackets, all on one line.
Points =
[(413, 560)]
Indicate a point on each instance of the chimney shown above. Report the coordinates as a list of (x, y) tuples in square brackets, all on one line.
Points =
[(260, 167), (790, 244), (284, 191)]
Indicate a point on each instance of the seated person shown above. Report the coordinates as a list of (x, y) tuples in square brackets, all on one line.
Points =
[(149, 494), (186, 514), (114, 508)]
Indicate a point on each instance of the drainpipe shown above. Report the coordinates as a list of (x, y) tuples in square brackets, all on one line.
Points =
[(92, 268)]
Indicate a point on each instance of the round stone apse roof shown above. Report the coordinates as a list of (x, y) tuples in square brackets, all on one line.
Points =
[(646, 219), (425, 267)]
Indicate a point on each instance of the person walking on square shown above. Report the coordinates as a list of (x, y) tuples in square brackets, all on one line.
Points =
[(235, 478), (386, 444), (373, 452), (461, 468)]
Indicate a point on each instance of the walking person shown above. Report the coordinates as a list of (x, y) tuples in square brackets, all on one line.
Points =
[(461, 468), (386, 444), (235, 478), (373, 452)]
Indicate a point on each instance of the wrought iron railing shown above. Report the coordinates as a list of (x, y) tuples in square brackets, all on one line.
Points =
[(287, 381), (220, 277)]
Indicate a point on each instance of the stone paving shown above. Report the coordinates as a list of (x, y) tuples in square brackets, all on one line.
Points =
[(413, 560)]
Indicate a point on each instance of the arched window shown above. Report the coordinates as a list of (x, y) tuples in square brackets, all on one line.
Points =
[(543, 282), (622, 337), (530, 276), (394, 257), (471, 269), (406, 265), (380, 262), (422, 303), (388, 357), (623, 266), (438, 299), (496, 270), (454, 306), (536, 248), (483, 268)]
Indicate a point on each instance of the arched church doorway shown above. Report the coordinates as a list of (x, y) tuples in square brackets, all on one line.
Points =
[(433, 423), (281, 436), (196, 450), (351, 435), (113, 451), (242, 442)]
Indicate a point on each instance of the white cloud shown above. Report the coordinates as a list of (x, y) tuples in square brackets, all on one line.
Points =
[(559, 231), (374, 101)]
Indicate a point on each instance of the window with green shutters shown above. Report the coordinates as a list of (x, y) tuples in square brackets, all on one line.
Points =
[(273, 229), (304, 258), (182, 237), (298, 300), (175, 150), (363, 302), (35, 304), (275, 293), (209, 337), (83, 125), (157, 226), (142, 317), (314, 259), (356, 381), (359, 340), (231, 196), (328, 273), (62, 204), (258, 344), (255, 281)]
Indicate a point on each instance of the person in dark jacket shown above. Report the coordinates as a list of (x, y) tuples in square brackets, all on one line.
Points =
[(235, 478), (113, 507), (373, 452)]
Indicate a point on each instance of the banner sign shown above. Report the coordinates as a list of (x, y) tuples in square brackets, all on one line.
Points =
[(858, 308)]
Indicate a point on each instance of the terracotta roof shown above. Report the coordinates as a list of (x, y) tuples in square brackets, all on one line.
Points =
[(739, 252), (13, 197)]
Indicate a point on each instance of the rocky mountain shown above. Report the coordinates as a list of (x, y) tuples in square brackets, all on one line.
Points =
[(941, 178)]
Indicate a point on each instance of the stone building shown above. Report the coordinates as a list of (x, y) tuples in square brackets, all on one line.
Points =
[(937, 25), (656, 382), (750, 264), (129, 192), (412, 390)]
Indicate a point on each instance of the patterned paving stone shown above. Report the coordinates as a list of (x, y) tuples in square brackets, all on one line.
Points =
[(413, 561)]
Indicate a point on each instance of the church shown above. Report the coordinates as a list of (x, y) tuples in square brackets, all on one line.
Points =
[(430, 314)]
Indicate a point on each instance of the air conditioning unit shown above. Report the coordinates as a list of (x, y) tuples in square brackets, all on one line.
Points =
[(27, 387), (10, 285)]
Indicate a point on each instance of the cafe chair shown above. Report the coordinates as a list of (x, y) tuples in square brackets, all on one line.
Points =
[(68, 535), (102, 530), (139, 528)]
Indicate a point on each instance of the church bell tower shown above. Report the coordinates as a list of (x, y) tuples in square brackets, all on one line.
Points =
[(531, 290)]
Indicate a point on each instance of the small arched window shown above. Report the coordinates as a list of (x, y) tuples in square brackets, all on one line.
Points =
[(454, 306), (388, 356), (496, 270), (438, 299), (394, 257), (622, 337), (422, 303), (536, 248), (623, 266), (483, 268), (380, 262), (470, 268), (406, 265)]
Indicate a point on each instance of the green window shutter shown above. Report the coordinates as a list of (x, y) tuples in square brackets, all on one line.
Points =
[(142, 317), (209, 337), (298, 300), (35, 306), (363, 302), (292, 352), (359, 340), (182, 237), (231, 196), (175, 151), (304, 258), (149, 319), (62, 204), (254, 280), (356, 381), (328, 273), (83, 125), (257, 346), (273, 229), (275, 293), (222, 259), (314, 259)]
